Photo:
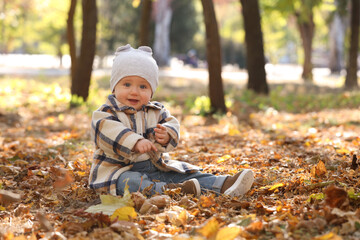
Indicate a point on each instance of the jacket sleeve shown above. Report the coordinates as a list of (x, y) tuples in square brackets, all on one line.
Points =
[(173, 127), (111, 135)]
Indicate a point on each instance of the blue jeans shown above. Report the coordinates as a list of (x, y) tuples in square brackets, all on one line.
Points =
[(145, 174)]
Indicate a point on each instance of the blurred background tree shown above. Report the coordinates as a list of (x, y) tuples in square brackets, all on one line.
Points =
[(39, 27)]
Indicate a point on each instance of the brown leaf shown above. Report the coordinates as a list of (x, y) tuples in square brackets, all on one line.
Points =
[(336, 197), (148, 208), (160, 201), (138, 199), (7, 197), (63, 177), (44, 222)]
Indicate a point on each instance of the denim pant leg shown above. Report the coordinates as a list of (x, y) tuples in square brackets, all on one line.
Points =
[(148, 172), (137, 179), (207, 181)]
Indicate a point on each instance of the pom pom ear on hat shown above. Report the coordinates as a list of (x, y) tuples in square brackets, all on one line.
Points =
[(134, 62)]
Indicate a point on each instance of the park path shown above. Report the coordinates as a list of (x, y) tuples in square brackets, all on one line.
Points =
[(44, 65)]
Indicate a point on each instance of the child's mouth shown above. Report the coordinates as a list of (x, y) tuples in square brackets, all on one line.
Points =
[(133, 101)]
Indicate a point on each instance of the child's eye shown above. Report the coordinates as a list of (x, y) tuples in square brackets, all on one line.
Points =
[(143, 86), (127, 84)]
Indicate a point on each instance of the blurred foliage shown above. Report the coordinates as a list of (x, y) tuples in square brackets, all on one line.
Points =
[(119, 24), (39, 93)]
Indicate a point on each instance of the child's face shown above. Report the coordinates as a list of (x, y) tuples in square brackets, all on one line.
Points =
[(133, 91)]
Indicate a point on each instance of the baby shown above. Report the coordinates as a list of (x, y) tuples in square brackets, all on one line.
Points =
[(132, 136)]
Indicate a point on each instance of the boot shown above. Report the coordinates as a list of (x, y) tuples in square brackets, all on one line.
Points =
[(239, 184), (191, 186)]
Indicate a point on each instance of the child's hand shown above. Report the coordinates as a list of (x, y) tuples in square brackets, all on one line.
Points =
[(161, 134), (144, 145)]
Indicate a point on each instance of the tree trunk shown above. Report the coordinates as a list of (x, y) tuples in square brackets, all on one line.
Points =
[(351, 80), (162, 32), (81, 82), (336, 43), (254, 47), (306, 28), (145, 22), (213, 50), (71, 38)]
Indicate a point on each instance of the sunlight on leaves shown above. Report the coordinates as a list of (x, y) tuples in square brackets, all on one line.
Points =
[(223, 158)]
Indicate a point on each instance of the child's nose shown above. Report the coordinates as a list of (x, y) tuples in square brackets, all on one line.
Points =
[(134, 90)]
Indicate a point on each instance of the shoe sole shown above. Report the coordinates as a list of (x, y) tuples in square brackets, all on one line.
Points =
[(197, 186), (242, 184)]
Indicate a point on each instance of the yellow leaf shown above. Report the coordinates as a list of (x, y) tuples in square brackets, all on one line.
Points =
[(233, 131), (183, 217), (275, 186), (124, 214), (228, 233), (223, 158), (110, 203), (210, 228), (328, 236)]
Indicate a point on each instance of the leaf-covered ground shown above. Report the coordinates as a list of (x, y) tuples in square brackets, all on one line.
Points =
[(307, 181)]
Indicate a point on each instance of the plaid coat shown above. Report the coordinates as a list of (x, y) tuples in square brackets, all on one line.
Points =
[(116, 128)]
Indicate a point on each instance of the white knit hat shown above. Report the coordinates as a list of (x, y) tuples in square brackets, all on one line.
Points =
[(134, 62)]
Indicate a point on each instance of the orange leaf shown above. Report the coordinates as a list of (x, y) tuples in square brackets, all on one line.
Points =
[(319, 169), (210, 228)]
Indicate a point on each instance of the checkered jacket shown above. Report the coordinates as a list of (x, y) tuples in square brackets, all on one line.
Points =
[(116, 128)]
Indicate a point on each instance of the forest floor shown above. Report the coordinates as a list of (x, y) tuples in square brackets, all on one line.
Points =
[(307, 179)]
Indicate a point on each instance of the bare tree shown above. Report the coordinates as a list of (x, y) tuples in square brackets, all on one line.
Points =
[(351, 80), (255, 58), (71, 37), (145, 22), (82, 65), (306, 27), (216, 92)]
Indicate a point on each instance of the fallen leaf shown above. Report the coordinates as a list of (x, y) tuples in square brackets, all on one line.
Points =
[(336, 197), (228, 233), (318, 170), (124, 214), (210, 228), (110, 203), (7, 197), (44, 222)]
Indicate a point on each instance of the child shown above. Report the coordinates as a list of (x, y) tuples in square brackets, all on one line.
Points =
[(132, 136)]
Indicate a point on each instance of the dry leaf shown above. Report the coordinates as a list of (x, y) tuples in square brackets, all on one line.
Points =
[(336, 197), (161, 201), (7, 197), (124, 214), (228, 233), (110, 203), (318, 170), (148, 208), (210, 228)]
